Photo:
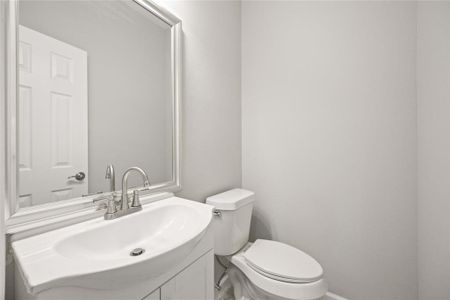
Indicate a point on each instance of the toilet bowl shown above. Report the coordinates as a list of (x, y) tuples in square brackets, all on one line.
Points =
[(301, 280), (265, 269)]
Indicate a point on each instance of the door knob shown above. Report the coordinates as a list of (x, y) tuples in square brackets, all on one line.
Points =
[(79, 176)]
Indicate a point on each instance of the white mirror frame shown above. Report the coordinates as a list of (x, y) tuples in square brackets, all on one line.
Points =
[(61, 211)]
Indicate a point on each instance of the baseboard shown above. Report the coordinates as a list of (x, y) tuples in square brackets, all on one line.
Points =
[(331, 296)]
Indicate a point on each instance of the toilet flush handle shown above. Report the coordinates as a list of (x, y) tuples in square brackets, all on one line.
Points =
[(217, 213)]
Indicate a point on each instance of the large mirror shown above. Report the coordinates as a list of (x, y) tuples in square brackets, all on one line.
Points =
[(97, 86)]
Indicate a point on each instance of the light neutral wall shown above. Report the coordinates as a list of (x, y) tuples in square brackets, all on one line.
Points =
[(128, 82), (329, 137), (211, 96), (433, 82)]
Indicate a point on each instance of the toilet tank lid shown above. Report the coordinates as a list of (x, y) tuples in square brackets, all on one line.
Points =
[(231, 200)]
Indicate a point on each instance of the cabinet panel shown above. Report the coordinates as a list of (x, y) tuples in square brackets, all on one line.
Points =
[(196, 282), (156, 295)]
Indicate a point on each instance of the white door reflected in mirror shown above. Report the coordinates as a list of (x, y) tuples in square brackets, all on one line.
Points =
[(53, 118)]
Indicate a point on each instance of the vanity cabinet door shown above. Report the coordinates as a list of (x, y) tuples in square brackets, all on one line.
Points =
[(156, 295), (196, 282)]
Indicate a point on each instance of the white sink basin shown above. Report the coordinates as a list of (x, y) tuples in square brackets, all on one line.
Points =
[(96, 253)]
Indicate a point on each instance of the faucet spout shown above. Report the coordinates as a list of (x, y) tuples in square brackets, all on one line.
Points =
[(111, 175), (124, 201)]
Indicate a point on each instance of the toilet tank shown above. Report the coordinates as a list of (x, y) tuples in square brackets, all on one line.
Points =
[(232, 222)]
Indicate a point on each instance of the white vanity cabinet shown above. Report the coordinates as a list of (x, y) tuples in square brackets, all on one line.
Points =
[(194, 282), (155, 295), (182, 272)]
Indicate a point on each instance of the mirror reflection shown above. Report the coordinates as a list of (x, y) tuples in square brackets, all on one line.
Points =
[(95, 89)]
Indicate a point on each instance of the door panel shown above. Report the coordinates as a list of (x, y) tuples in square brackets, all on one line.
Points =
[(52, 125)]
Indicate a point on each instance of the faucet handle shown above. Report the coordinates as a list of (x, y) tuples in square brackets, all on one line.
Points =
[(136, 202), (111, 206)]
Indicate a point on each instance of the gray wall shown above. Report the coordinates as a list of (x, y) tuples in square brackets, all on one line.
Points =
[(211, 96), (433, 78), (128, 81), (329, 137)]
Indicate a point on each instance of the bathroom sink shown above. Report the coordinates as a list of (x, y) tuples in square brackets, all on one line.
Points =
[(156, 231), (111, 254)]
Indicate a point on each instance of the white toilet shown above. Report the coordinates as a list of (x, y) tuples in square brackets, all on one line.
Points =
[(263, 270)]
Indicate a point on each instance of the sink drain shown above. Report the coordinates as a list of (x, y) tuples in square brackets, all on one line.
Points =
[(137, 251)]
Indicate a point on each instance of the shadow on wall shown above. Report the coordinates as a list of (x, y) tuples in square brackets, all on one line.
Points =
[(259, 227)]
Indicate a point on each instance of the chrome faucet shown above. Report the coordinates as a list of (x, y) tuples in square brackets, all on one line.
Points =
[(124, 200), (115, 207)]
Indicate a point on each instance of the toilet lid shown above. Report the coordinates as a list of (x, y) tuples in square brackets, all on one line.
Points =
[(282, 262)]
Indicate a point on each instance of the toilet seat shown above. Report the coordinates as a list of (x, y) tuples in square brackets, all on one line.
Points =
[(282, 262), (272, 282)]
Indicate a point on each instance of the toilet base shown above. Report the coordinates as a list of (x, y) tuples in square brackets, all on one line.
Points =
[(244, 289), (252, 285)]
